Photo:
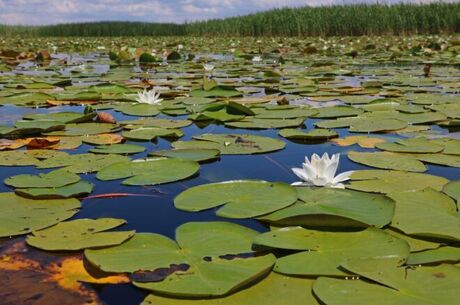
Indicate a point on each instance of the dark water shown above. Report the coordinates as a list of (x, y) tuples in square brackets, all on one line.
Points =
[(157, 214)]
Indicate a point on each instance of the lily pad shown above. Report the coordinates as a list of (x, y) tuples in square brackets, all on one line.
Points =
[(148, 134), (20, 215), (417, 145), (315, 134), (140, 110), (240, 199), (329, 207), (323, 252), (122, 149), (440, 255), (78, 189), (278, 288), (150, 171), (208, 272), (79, 234), (82, 163), (426, 213), (386, 160), (198, 155), (17, 158), (84, 129), (52, 179), (255, 123), (384, 181), (399, 285), (233, 144)]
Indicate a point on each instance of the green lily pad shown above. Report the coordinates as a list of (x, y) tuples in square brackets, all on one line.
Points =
[(20, 215), (207, 273), (78, 189), (426, 213), (84, 129), (122, 149), (453, 189), (439, 255), (278, 288), (384, 181), (323, 252), (155, 122), (312, 135), (417, 145), (79, 234), (376, 125), (64, 117), (385, 160), (337, 111), (150, 171), (240, 199), (17, 158), (398, 285), (255, 123), (439, 159), (82, 163), (415, 243), (57, 178), (329, 207), (283, 114), (216, 92), (198, 155), (232, 144), (140, 110), (148, 134)]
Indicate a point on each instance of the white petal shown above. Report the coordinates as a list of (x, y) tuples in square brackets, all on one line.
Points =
[(342, 177), (309, 171), (300, 173)]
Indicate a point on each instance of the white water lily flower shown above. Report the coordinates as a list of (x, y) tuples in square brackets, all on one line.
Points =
[(256, 59), (208, 67), (149, 97), (320, 171)]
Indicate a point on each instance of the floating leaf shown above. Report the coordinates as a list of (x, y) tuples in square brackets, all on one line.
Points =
[(208, 272), (440, 255), (150, 171), (233, 144), (278, 288), (148, 134), (331, 207), (79, 234), (324, 251), (315, 134), (362, 141), (384, 181), (240, 199), (399, 285), (197, 155), (82, 163), (417, 145), (427, 213), (51, 179), (122, 149), (72, 190), (387, 160), (20, 215), (17, 158)]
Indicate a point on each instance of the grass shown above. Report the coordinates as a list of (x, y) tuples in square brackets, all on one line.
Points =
[(337, 20)]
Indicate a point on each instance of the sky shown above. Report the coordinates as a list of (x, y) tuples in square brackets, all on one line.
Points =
[(36, 12)]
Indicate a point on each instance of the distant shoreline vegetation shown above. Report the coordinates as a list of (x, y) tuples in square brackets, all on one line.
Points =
[(337, 20)]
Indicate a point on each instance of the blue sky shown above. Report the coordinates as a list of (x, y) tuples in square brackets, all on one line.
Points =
[(59, 11)]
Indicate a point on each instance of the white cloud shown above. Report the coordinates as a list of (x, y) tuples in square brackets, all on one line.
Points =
[(57, 11)]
